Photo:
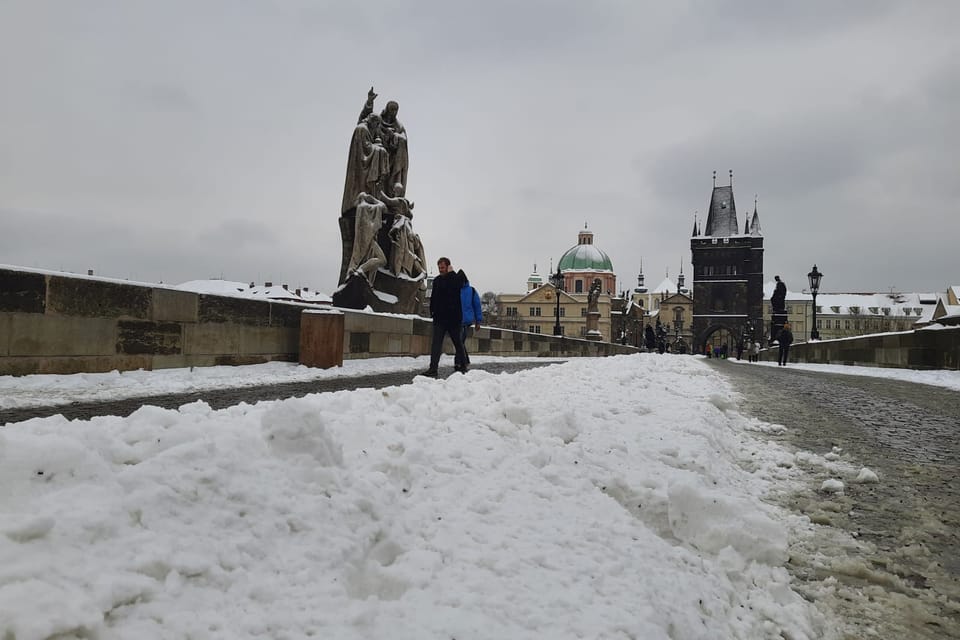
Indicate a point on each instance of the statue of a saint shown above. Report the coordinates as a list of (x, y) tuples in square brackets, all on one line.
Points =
[(407, 256), (394, 137), (367, 255), (593, 296), (779, 297), (375, 219), (368, 165)]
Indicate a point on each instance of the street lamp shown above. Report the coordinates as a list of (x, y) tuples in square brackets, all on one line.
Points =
[(814, 278), (557, 281)]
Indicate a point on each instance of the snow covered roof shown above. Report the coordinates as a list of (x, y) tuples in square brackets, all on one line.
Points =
[(951, 311), (916, 305), (667, 286), (268, 291), (215, 287)]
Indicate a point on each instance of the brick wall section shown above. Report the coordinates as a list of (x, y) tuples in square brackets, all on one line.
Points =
[(921, 349), (53, 323)]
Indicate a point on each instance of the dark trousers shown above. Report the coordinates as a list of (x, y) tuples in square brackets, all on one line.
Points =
[(463, 340), (436, 347), (784, 352)]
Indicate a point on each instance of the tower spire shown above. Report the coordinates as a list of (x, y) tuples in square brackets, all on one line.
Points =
[(731, 177), (714, 178)]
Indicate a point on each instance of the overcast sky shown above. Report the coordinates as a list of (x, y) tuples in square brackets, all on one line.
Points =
[(173, 140)]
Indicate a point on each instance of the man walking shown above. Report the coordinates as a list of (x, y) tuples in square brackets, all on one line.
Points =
[(785, 339), (447, 314)]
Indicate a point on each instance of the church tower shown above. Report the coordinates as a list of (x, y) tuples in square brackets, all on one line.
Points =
[(727, 274)]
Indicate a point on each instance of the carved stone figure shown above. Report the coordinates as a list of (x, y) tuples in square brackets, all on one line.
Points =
[(394, 137), (779, 297), (367, 255), (376, 219), (407, 256), (593, 295), (368, 164), (593, 311)]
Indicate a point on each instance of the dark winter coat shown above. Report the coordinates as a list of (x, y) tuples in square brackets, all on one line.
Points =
[(785, 337), (649, 337), (445, 308)]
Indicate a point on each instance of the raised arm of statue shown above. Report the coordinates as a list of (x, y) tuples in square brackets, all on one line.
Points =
[(368, 106)]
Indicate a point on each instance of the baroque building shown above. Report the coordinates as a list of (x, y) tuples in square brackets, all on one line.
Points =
[(727, 274), (536, 310)]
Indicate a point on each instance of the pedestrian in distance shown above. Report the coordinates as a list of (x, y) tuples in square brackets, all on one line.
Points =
[(709, 350), (649, 338), (754, 351), (447, 314), (472, 315), (784, 339)]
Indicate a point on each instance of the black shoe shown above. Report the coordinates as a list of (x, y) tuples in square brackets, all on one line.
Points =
[(465, 368), (430, 373), (457, 367)]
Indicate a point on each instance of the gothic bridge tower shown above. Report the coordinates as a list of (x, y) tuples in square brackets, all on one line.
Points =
[(727, 274)]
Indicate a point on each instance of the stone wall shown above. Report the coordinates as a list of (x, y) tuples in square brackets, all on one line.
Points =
[(52, 323), (920, 349), (56, 323)]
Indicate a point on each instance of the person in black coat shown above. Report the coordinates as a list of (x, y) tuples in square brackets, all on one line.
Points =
[(785, 339), (649, 338), (447, 314)]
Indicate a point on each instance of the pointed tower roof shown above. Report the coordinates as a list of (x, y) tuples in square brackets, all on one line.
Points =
[(755, 222), (722, 219), (695, 233)]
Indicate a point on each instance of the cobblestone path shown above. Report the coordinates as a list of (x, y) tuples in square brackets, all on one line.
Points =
[(888, 555), (221, 398)]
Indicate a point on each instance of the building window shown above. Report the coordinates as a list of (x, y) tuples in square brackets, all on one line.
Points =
[(562, 312), (789, 308), (512, 311), (583, 312), (846, 324), (578, 286), (535, 328), (836, 323), (534, 312)]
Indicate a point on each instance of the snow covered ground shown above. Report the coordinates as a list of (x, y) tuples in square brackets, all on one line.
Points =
[(616, 497)]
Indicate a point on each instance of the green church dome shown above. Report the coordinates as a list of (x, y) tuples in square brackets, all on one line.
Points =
[(585, 257)]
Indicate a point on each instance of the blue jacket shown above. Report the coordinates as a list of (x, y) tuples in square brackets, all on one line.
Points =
[(470, 302)]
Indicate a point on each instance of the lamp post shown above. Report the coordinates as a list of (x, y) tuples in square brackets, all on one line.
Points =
[(557, 281), (814, 279)]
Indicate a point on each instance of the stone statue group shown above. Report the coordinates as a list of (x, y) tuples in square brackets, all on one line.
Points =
[(376, 216)]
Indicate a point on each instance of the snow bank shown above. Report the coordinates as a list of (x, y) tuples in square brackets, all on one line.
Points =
[(614, 498)]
